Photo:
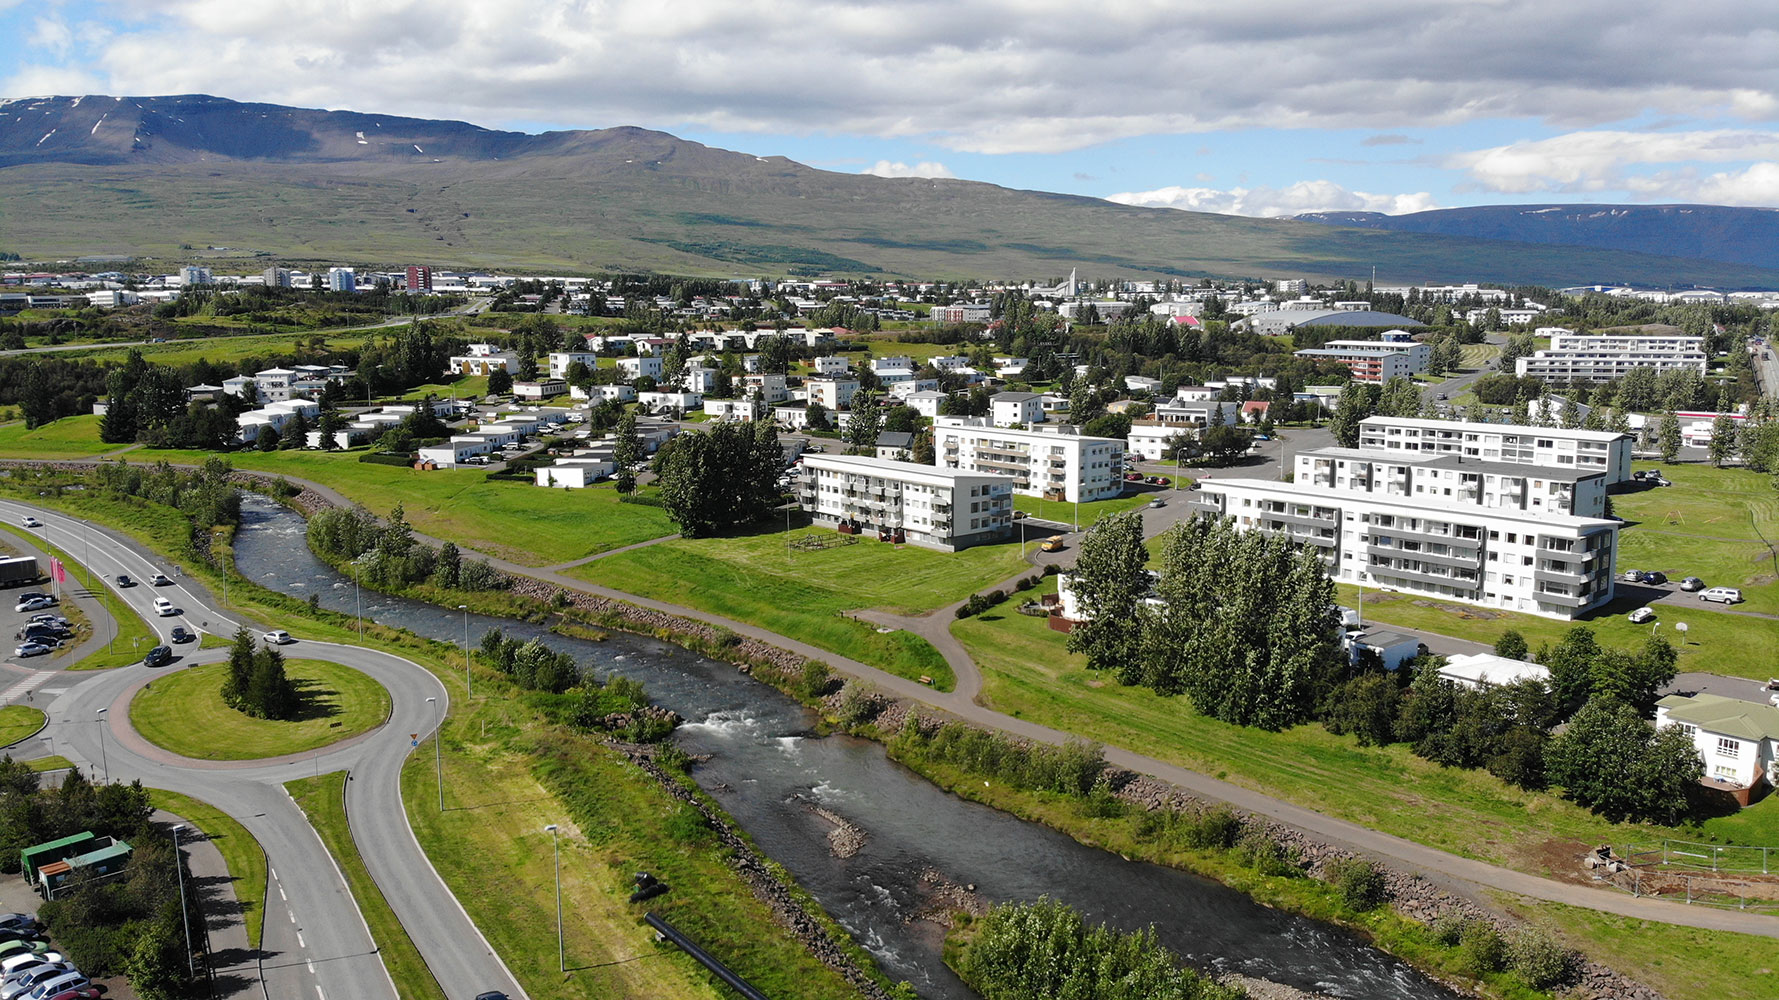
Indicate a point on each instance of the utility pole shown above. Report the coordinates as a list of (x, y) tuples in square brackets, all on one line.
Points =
[(103, 758), (469, 683), (561, 951)]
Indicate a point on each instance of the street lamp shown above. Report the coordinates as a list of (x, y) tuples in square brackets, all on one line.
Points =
[(469, 684), (103, 761), (561, 952), (184, 918), (438, 758)]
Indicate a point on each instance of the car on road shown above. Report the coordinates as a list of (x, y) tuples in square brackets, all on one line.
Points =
[(1051, 544), (1440, 396), (1642, 615), (165, 609), (34, 604), (1691, 584), (31, 522), (159, 656), (277, 637), (123, 581), (1655, 576), (1158, 502), (181, 634), (1721, 595), (160, 580), (492, 995), (1633, 576), (1158, 481)]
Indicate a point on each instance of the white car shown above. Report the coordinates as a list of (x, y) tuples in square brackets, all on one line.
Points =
[(1721, 595), (164, 607), (31, 522), (277, 637), (24, 958)]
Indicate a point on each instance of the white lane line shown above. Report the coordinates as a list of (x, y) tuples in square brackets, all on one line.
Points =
[(311, 964), (318, 992), (300, 943), (30, 683), (281, 894), (291, 915), (274, 872)]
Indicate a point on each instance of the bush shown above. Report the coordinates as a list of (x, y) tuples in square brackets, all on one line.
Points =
[(1481, 949), (1538, 959), (1360, 882), (380, 458), (859, 703), (815, 680), (1218, 827), (1260, 851)]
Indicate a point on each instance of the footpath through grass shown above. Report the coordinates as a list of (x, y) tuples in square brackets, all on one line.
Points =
[(130, 627), (804, 593), (19, 722), (184, 712), (1029, 673), (246, 860), (69, 437), (323, 800), (519, 521)]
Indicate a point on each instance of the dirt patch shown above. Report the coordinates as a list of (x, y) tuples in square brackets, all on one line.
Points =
[(1460, 611)]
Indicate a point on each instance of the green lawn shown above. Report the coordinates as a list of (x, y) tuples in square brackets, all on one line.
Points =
[(1028, 673), (240, 851), (1474, 356), (222, 350), (323, 800), (1683, 963), (18, 722), (1721, 525), (510, 520), (1090, 513), (54, 762), (184, 712), (458, 387), (1755, 826), (69, 437), (803, 594), (132, 637)]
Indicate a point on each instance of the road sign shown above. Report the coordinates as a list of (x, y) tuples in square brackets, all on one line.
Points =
[(413, 739)]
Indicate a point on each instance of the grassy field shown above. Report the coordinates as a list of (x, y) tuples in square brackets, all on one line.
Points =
[(804, 594), (1721, 525), (1683, 963), (1029, 673), (18, 722), (1090, 513), (516, 521), (220, 350), (184, 712), (458, 387), (69, 437), (240, 851), (1474, 356), (323, 800), (129, 626)]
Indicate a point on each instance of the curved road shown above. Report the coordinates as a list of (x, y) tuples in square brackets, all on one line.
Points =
[(316, 942)]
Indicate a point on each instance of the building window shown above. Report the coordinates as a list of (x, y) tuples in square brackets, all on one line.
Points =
[(1727, 747)]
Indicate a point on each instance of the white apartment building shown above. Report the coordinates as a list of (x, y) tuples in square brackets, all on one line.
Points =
[(936, 508), (832, 364), (634, 368), (963, 312), (833, 393), (1547, 446), (1149, 439), (925, 402), (1049, 461), (1600, 358), (1016, 409), (1455, 479), (771, 388), (1541, 563), (341, 279), (1373, 360), (560, 360)]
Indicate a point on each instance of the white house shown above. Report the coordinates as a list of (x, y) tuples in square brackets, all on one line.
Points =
[(833, 393), (539, 390), (483, 364), (832, 364), (1482, 670), (560, 361), (1016, 409), (771, 387), (615, 393), (634, 368), (925, 402), (456, 451), (731, 409), (669, 402), (1734, 737), (575, 473), (700, 380), (1149, 439), (937, 508)]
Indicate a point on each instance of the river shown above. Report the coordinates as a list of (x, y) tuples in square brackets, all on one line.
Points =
[(768, 771)]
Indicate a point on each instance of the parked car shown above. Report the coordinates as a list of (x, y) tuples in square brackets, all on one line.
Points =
[(34, 604), (1440, 396), (160, 580), (20, 983), (1018, 514), (82, 992), (57, 985), (31, 522), (124, 581), (42, 633), (34, 962), (32, 649), (1633, 576), (1721, 595), (1642, 615), (159, 656), (23, 956), (25, 595), (165, 609), (27, 920), (1691, 584), (47, 619), (1656, 577), (1158, 480), (277, 637), (492, 995), (181, 634)]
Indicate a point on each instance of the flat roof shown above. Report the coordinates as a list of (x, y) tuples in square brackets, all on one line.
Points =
[(1487, 428), (1383, 638), (1487, 668), (1012, 397), (1415, 506), (1443, 461), (866, 465)]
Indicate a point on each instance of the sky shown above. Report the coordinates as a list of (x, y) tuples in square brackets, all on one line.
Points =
[(1262, 107)]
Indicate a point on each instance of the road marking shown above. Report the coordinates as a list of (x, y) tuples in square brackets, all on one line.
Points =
[(274, 872), (300, 943), (311, 964), (291, 915), (318, 992), (281, 894), (30, 683)]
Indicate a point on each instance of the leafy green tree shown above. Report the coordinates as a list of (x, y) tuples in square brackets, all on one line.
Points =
[(1352, 408), (1364, 706), (240, 675), (863, 426), (1723, 440), (1667, 436), (1512, 645), (500, 382), (1571, 665), (627, 452), (1609, 760), (724, 476), (818, 416), (1110, 582)]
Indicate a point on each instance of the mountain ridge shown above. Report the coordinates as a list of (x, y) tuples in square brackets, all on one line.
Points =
[(148, 176)]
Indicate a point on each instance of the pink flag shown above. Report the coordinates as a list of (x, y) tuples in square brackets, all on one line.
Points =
[(56, 570)]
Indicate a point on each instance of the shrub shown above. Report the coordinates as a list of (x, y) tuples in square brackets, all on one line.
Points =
[(1260, 851), (1217, 827), (1361, 883), (1481, 949), (858, 703), (1538, 959), (1101, 802), (815, 679)]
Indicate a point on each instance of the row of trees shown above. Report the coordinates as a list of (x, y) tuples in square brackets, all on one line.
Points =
[(715, 479), (1242, 622), (388, 555), (256, 683)]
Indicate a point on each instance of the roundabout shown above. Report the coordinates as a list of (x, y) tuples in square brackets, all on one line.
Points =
[(183, 712)]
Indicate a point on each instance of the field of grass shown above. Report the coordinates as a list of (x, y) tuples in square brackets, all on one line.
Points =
[(509, 520), (1090, 513), (1755, 826), (69, 437), (130, 627), (1721, 525), (323, 800), (1029, 673), (218, 349), (803, 594), (18, 722), (1683, 963), (459, 387), (240, 851), (184, 712)]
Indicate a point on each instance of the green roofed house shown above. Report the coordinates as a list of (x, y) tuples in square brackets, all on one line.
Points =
[(33, 858), (1735, 738)]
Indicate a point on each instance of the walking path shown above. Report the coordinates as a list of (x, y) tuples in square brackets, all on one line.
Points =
[(584, 560)]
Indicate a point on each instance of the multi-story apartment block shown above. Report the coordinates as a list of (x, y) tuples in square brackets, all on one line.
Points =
[(961, 313), (832, 364), (419, 278), (1537, 562), (1588, 451), (1052, 462), (342, 279), (945, 509), (1016, 409), (833, 393), (771, 387), (560, 360), (1574, 357), (1451, 478), (1373, 360), (634, 368)]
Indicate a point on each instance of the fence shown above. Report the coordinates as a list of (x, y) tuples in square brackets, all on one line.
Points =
[(1724, 876), (1699, 890), (1706, 857)]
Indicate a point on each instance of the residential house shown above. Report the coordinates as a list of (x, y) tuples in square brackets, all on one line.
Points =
[(539, 390), (1735, 739), (833, 393), (1016, 409)]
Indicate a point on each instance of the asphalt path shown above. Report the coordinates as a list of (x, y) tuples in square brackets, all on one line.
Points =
[(315, 940)]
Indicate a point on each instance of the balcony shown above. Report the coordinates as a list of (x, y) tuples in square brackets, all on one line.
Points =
[(1423, 576), (1310, 519), (1565, 600)]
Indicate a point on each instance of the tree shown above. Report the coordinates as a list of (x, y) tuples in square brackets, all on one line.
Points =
[(720, 477), (234, 685), (500, 382), (1352, 408), (627, 452), (267, 439), (1364, 706), (1571, 665), (863, 425), (1668, 436), (817, 416), (1512, 645), (1223, 445), (923, 453), (1723, 439), (1109, 582), (1609, 760)]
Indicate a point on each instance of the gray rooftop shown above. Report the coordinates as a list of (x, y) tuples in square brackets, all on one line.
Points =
[(1012, 397), (1517, 470)]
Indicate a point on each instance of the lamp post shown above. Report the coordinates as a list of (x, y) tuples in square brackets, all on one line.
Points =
[(184, 918), (469, 683), (438, 758), (561, 952), (103, 761)]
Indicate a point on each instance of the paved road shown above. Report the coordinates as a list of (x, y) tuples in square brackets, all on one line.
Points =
[(315, 940)]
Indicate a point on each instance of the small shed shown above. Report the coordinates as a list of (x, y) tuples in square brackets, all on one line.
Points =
[(33, 858)]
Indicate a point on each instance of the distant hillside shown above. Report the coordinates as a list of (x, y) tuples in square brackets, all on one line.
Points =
[(1704, 232), (144, 175)]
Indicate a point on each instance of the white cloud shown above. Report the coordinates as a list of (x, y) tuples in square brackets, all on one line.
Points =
[(991, 76), (52, 34), (925, 168), (1599, 160), (1757, 186), (1269, 202)]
